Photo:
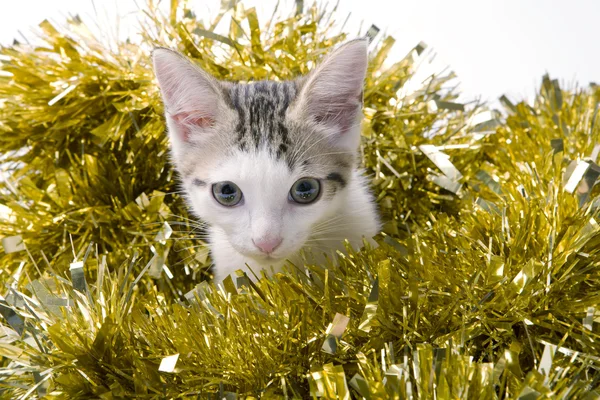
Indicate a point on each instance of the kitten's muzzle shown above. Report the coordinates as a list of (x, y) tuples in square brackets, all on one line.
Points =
[(267, 245)]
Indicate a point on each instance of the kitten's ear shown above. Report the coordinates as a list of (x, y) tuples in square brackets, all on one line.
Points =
[(331, 95), (191, 96)]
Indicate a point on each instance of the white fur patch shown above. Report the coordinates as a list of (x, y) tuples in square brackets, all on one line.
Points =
[(267, 210)]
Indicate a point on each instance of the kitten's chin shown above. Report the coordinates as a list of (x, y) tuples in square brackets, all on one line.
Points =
[(266, 258), (255, 255), (271, 261), (278, 256)]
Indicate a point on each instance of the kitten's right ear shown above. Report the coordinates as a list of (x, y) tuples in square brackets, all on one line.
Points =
[(190, 95), (331, 95)]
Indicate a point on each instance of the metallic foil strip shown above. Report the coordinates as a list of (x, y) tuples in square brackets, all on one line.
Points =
[(545, 366), (442, 161), (78, 276), (161, 252), (359, 384), (484, 122), (370, 309), (445, 183), (488, 206), (164, 234), (372, 32), (335, 381), (44, 294), (334, 333), (168, 363), (589, 179), (229, 286), (509, 105), (588, 320), (299, 7), (489, 181), (558, 145), (573, 179), (329, 382), (393, 379), (13, 244), (215, 36), (12, 318), (435, 105), (570, 352), (58, 97)]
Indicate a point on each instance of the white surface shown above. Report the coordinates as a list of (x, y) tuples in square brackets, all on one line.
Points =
[(494, 47)]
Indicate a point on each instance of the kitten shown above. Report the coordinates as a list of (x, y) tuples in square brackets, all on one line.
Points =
[(271, 167)]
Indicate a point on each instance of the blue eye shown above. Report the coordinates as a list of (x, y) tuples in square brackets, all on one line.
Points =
[(227, 193), (305, 190)]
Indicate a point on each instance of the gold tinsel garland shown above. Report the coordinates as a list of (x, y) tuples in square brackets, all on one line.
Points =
[(485, 282)]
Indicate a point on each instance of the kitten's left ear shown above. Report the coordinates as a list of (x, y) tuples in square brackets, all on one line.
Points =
[(191, 96), (331, 95)]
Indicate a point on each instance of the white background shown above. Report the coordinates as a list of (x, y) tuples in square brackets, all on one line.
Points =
[(495, 47)]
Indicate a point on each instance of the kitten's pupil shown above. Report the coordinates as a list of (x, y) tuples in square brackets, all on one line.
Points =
[(227, 193), (227, 189), (305, 190)]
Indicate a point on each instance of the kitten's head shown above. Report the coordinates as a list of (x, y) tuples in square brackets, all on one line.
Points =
[(266, 161)]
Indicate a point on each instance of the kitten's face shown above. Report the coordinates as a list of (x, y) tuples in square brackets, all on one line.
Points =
[(265, 162)]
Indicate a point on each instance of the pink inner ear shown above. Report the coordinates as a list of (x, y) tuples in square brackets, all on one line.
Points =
[(343, 114), (186, 121)]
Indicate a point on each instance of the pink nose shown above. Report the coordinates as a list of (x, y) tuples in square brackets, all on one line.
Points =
[(267, 245)]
